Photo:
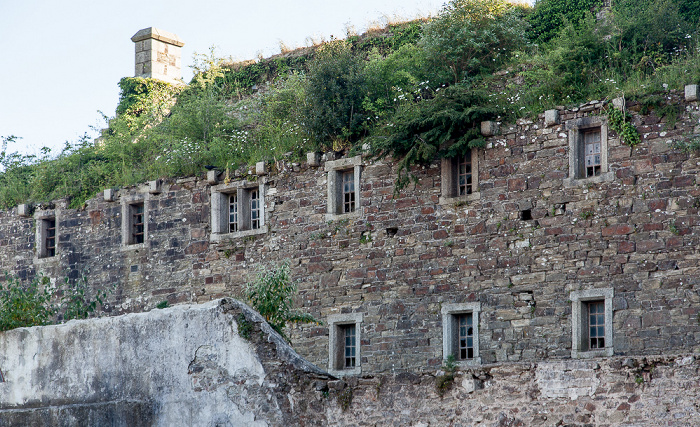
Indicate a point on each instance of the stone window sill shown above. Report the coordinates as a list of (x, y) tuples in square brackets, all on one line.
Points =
[(581, 182), (225, 237), (133, 247), (338, 217), (460, 200), (606, 352)]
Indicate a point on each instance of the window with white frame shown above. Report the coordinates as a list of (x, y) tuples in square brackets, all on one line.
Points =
[(591, 323), (343, 186), (460, 177), (460, 332), (588, 151), (238, 209), (344, 344), (134, 222)]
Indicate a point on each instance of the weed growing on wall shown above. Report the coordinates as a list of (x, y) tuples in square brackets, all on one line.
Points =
[(272, 295)]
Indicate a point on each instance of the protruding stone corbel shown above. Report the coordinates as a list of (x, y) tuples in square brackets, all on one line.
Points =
[(551, 118), (313, 159), (489, 128), (261, 168), (155, 187), (110, 194)]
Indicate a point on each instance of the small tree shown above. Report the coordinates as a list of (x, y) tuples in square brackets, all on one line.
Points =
[(472, 35), (25, 305), (271, 294), (335, 90)]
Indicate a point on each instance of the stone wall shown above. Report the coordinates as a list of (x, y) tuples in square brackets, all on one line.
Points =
[(220, 364), (399, 260), (186, 365), (650, 391)]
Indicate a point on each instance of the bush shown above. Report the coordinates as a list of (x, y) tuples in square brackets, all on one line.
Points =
[(444, 126), (23, 305), (335, 90), (36, 303), (472, 36), (271, 294), (550, 16)]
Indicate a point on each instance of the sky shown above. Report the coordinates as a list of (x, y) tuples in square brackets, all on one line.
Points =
[(60, 61)]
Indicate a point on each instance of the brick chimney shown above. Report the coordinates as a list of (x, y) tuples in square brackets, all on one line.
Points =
[(158, 55)]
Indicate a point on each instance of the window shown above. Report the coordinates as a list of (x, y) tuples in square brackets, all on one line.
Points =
[(137, 223), (596, 324), (233, 213), (348, 191), (464, 174), (238, 210), (459, 177), (588, 151), (254, 209), (134, 221), (350, 346), (46, 234), (591, 148), (591, 315), (465, 336), (344, 344), (343, 186), (460, 332)]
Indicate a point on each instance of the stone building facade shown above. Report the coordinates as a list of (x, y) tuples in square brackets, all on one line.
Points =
[(562, 243)]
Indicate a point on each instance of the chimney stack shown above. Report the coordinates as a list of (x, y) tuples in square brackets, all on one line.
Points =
[(158, 55)]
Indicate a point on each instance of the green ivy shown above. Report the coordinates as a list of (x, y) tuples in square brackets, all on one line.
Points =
[(619, 122)]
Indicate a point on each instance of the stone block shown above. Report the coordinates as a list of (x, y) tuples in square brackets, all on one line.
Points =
[(551, 118), (619, 103), (489, 128), (691, 92), (261, 168), (110, 195), (313, 159), (24, 210), (212, 177), (155, 186)]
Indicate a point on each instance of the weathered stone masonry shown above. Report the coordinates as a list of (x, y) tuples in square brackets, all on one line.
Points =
[(632, 233)]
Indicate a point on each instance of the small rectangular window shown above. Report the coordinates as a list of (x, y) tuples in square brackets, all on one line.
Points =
[(233, 212), (460, 332), (464, 176), (596, 324), (465, 336), (592, 323), (137, 223), (348, 191), (50, 239), (350, 346), (254, 209), (591, 141), (344, 344)]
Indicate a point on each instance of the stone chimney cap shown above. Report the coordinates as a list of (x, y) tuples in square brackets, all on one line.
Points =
[(158, 34)]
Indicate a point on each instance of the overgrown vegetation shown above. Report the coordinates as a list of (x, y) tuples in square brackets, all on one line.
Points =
[(272, 295), (414, 91), (38, 302)]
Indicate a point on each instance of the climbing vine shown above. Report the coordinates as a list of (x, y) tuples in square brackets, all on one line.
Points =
[(619, 122)]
